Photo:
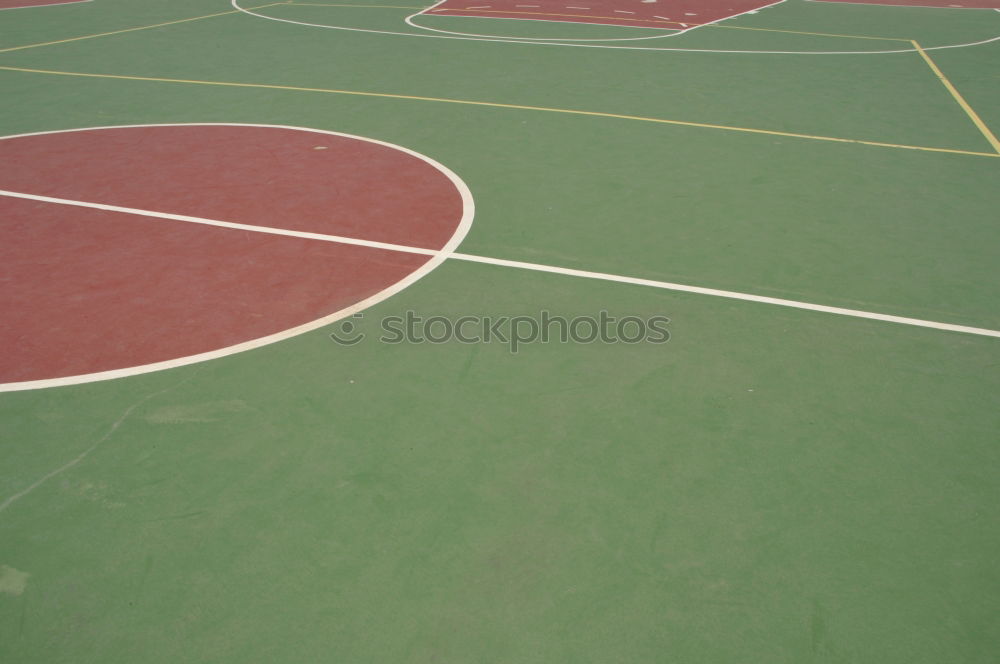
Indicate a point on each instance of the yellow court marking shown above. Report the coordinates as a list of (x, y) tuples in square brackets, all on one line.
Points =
[(799, 32), (118, 32), (958, 97), (323, 4), (521, 107)]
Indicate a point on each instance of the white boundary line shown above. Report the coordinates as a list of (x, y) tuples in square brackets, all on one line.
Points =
[(235, 4), (537, 267), (51, 4), (881, 4), (339, 239), (436, 258), (732, 295)]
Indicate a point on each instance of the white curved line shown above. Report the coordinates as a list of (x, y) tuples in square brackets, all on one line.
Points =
[(236, 6), (409, 21), (437, 257)]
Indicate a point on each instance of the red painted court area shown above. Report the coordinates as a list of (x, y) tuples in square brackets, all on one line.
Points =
[(942, 4), (87, 290), (17, 4), (667, 14)]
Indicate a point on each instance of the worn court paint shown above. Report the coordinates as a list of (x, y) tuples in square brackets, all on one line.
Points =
[(12, 581)]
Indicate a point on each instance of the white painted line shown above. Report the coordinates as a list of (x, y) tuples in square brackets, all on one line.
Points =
[(322, 237), (732, 295), (537, 267), (882, 4)]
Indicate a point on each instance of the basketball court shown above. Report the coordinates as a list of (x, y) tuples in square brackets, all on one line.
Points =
[(213, 214)]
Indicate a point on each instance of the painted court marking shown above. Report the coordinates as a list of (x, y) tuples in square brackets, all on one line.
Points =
[(438, 255), (522, 107), (536, 267), (568, 44), (217, 277), (917, 48), (956, 95), (298, 3), (923, 52), (932, 4), (483, 13), (409, 20)]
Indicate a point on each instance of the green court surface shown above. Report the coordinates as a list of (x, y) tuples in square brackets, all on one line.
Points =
[(778, 483)]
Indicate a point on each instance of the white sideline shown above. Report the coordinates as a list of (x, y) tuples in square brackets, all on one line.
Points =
[(537, 267)]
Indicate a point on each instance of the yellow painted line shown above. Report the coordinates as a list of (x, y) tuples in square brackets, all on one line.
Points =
[(799, 32), (490, 104), (323, 4), (118, 32), (958, 97)]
